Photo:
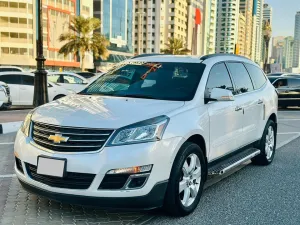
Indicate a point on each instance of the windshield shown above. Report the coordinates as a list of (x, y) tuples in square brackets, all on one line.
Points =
[(163, 80), (272, 79)]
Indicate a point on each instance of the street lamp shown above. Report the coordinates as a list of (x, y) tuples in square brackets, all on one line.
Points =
[(267, 32), (40, 96)]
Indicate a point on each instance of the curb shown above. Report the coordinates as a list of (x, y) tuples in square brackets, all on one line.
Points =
[(10, 127)]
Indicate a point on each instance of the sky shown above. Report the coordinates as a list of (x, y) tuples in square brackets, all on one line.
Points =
[(284, 12)]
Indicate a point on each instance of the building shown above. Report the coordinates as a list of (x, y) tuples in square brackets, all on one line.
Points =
[(227, 26), (296, 53), (267, 17), (241, 35), (257, 37), (117, 25), (277, 50), (210, 24), (18, 25), (288, 52), (246, 7)]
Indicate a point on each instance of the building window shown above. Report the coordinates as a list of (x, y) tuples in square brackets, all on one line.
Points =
[(153, 42), (144, 50), (153, 10), (153, 17), (4, 50), (152, 50), (14, 51)]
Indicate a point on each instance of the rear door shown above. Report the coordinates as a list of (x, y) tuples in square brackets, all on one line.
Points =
[(26, 90), (246, 101), (13, 81)]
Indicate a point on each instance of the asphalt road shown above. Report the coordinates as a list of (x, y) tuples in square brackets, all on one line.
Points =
[(250, 195)]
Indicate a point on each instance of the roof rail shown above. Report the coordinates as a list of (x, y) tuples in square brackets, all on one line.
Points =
[(221, 54), (145, 55)]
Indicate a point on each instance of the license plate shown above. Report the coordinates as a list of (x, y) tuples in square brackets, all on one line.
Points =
[(51, 166)]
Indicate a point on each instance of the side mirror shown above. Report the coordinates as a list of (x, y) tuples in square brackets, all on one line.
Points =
[(219, 94)]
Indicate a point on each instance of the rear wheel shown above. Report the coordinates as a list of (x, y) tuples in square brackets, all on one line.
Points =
[(186, 181), (267, 145)]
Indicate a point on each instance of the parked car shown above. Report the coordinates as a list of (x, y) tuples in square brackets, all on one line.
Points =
[(22, 86), (86, 75), (291, 75), (5, 101), (154, 140), (275, 74), (10, 69), (68, 80), (288, 89)]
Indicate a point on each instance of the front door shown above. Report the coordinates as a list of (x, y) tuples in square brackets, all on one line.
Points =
[(225, 117)]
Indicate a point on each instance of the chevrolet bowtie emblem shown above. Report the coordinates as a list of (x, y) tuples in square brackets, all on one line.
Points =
[(58, 138)]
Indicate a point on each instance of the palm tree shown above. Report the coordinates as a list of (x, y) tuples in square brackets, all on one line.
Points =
[(267, 32), (82, 38), (175, 47)]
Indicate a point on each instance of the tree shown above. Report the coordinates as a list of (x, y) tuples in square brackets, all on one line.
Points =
[(267, 32), (175, 47), (82, 38)]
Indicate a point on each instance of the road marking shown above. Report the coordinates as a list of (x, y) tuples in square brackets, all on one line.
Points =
[(290, 133), (7, 176), (288, 140), (287, 119), (7, 143)]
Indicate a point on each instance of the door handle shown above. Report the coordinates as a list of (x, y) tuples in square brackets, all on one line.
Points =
[(260, 101), (238, 108)]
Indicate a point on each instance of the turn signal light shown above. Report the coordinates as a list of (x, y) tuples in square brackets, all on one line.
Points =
[(131, 170)]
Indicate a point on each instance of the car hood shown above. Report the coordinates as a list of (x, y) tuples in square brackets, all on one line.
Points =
[(101, 111)]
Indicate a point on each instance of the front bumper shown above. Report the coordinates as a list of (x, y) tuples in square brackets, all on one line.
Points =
[(153, 199), (160, 154), (5, 102)]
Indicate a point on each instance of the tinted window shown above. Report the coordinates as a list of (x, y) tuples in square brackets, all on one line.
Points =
[(256, 75), (86, 75), (272, 79), (293, 82), (9, 70), (218, 78), (162, 80), (280, 83), (241, 78), (27, 80), (11, 79)]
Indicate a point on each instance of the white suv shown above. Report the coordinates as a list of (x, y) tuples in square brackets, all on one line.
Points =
[(148, 133)]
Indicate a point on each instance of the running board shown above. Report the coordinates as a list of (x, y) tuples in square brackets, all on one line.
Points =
[(233, 162)]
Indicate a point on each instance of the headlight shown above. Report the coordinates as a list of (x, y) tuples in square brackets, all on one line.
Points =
[(145, 131), (26, 124)]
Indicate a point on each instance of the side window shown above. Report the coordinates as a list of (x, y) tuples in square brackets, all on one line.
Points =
[(218, 78), (256, 75), (69, 79), (54, 78), (293, 83), (27, 80), (241, 78), (280, 83), (11, 79)]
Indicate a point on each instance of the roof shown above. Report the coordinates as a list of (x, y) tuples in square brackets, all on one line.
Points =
[(16, 73)]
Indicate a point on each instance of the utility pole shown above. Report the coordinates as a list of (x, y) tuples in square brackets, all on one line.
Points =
[(40, 96)]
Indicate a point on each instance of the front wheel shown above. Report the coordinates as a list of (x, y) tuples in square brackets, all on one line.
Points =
[(186, 181), (267, 145)]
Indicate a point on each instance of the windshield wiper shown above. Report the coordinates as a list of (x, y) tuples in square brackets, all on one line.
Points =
[(138, 96)]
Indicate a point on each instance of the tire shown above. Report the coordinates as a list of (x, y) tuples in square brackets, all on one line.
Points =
[(267, 145), (58, 97), (174, 200)]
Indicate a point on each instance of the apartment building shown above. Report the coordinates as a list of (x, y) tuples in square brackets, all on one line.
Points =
[(227, 25), (288, 52), (267, 17), (257, 36), (296, 51), (246, 8), (241, 35), (18, 25), (210, 24)]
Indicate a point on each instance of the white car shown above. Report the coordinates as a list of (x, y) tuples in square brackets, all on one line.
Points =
[(68, 80), (151, 137), (10, 69), (22, 88), (5, 101)]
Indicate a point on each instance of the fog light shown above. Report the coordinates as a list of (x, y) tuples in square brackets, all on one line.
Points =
[(131, 170), (137, 182)]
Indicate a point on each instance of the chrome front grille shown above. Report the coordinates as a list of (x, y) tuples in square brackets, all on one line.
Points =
[(79, 139)]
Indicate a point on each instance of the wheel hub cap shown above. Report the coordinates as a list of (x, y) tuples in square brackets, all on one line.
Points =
[(270, 142), (189, 183)]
